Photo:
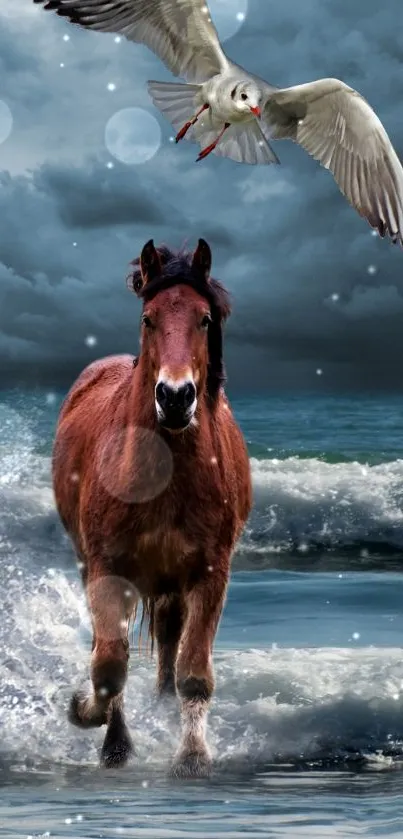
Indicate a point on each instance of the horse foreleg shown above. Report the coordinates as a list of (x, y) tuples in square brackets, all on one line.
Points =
[(118, 745), (168, 630), (195, 675), (111, 601)]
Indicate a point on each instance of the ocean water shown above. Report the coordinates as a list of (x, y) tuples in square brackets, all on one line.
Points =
[(306, 726)]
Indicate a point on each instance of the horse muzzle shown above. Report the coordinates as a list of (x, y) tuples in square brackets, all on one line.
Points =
[(175, 405)]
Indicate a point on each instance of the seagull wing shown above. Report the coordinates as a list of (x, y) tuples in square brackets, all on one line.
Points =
[(179, 32), (337, 126)]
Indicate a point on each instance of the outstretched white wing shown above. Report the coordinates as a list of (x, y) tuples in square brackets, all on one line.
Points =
[(179, 32), (335, 125)]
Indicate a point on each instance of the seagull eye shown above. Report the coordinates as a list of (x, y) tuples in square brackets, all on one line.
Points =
[(244, 96), (146, 321)]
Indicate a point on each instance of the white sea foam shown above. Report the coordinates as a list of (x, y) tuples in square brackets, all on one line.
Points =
[(271, 706), (307, 503), (299, 505), (277, 705)]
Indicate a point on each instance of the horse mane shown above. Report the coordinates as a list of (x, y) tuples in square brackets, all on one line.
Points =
[(177, 270)]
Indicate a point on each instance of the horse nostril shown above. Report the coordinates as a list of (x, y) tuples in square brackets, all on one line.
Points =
[(162, 394), (189, 394)]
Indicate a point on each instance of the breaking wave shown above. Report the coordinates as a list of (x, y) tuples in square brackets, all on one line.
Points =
[(272, 706)]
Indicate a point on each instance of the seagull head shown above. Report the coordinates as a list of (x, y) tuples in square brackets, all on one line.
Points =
[(247, 98)]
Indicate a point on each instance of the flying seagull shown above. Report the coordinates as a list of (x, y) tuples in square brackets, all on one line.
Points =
[(236, 114)]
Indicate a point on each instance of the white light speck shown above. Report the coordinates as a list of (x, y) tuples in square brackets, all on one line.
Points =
[(172, 139), (118, 39), (319, 372), (111, 86), (372, 269), (340, 576), (144, 784), (91, 341), (374, 232), (396, 696), (66, 37), (240, 16), (210, 568), (356, 636), (68, 821), (50, 398), (62, 65), (110, 165), (335, 297), (74, 244), (103, 691), (213, 461)]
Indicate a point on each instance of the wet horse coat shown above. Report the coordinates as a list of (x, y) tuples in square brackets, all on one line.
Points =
[(152, 482)]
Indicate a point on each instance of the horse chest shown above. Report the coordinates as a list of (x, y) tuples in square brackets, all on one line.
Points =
[(168, 544)]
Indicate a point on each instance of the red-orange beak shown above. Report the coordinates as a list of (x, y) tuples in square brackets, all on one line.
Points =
[(257, 112)]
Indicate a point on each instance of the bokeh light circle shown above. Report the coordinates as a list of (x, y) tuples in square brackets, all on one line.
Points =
[(133, 136), (133, 464), (228, 16), (6, 121)]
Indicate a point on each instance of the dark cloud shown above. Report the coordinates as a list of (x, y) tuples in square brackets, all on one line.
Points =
[(284, 240), (89, 198)]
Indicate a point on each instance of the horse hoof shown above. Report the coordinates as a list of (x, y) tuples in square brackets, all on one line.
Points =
[(117, 748), (83, 713), (192, 765)]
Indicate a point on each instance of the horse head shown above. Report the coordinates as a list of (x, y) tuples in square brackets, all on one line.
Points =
[(181, 330)]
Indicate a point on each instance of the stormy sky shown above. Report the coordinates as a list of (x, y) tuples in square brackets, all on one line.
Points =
[(312, 289)]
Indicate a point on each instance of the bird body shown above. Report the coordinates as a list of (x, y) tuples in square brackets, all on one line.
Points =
[(217, 92), (234, 114)]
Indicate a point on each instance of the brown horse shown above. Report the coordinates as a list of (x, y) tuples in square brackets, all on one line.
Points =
[(152, 482)]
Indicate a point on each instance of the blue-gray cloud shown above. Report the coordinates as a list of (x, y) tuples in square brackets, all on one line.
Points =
[(284, 240)]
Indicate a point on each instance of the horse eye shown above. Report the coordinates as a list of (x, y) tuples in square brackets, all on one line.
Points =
[(146, 321), (137, 285), (206, 322), (243, 96)]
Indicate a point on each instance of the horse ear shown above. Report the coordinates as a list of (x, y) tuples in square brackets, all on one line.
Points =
[(202, 258), (150, 263)]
